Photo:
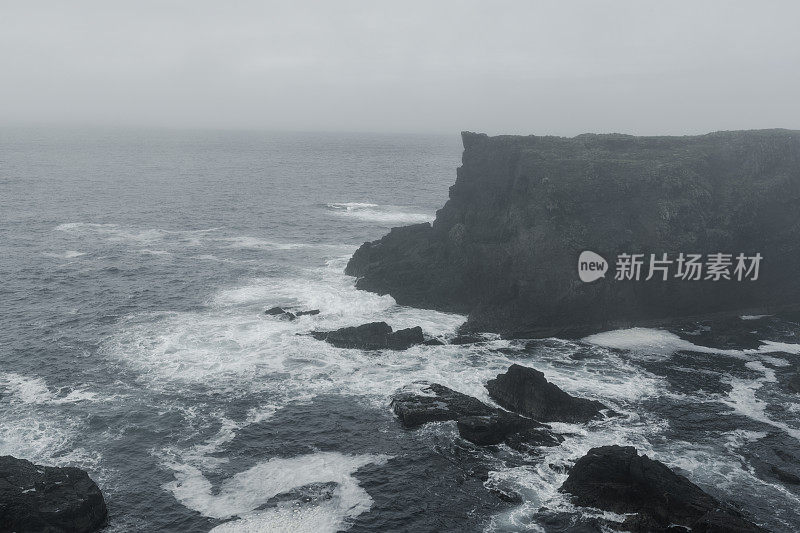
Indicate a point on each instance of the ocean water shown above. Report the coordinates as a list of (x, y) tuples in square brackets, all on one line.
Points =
[(136, 266)]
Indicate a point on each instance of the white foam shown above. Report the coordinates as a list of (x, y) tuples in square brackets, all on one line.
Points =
[(35, 391), (69, 254), (32, 429), (772, 347), (381, 214), (663, 342), (255, 243), (653, 341), (241, 495), (753, 317)]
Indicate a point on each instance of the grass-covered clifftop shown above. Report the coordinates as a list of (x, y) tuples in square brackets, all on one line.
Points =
[(505, 246)]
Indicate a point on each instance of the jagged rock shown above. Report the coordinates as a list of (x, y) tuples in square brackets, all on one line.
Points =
[(433, 341), (430, 402), (618, 479), (526, 391), (48, 499), (406, 338), (372, 336), (492, 429), (477, 422), (505, 246), (528, 440), (280, 312), (310, 312)]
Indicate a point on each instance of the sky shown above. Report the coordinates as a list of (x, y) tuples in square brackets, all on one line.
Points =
[(524, 67)]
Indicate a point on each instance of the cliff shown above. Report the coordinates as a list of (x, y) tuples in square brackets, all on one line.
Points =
[(505, 246)]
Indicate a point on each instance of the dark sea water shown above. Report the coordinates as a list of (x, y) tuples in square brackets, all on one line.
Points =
[(135, 269)]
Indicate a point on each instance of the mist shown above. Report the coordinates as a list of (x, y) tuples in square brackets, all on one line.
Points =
[(560, 68)]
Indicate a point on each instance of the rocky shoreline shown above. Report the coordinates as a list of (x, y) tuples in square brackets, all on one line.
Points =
[(645, 494)]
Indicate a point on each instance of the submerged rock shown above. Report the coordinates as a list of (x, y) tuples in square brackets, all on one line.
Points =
[(50, 499), (526, 391), (280, 312), (618, 479), (466, 339), (477, 422), (310, 312), (372, 336), (505, 246)]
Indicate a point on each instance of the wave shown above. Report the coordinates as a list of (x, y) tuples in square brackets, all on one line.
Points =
[(380, 214), (69, 254), (242, 497), (35, 391)]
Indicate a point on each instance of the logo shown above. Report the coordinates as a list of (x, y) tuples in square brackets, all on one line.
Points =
[(591, 266), (683, 266)]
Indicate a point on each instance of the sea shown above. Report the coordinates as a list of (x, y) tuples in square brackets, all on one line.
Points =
[(135, 268)]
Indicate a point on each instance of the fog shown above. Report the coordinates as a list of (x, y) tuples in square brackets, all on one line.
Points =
[(561, 67)]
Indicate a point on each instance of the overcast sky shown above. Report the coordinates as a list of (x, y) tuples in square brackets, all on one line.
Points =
[(562, 67)]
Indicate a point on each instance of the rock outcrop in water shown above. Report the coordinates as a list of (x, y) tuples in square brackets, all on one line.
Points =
[(618, 479), (37, 498), (505, 246), (280, 312), (477, 422), (526, 391), (372, 336)]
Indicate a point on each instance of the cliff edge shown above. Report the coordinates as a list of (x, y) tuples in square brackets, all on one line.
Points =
[(505, 246)]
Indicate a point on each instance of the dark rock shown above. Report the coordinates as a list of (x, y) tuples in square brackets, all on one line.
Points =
[(477, 422), (719, 521), (406, 338), (505, 246), (433, 341), (526, 391), (492, 429), (280, 313), (430, 402), (49, 499), (615, 478), (372, 336), (528, 440), (466, 339), (786, 477), (310, 312)]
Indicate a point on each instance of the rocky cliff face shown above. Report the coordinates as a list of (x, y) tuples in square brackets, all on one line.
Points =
[(505, 247)]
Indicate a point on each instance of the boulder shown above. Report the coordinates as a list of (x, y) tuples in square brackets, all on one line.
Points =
[(36, 498), (526, 391), (372, 336), (519, 433), (505, 247), (424, 402), (618, 479), (481, 424)]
